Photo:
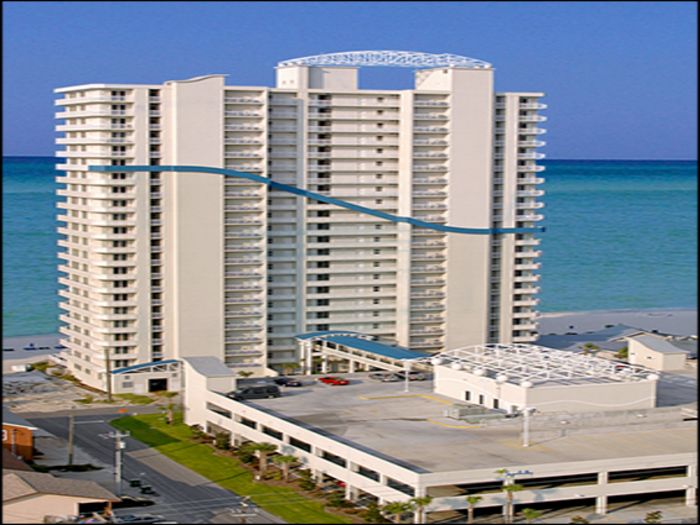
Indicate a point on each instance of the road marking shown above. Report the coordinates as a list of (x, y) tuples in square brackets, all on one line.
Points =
[(446, 425), (423, 396)]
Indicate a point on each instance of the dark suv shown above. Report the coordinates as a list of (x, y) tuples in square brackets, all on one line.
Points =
[(255, 392)]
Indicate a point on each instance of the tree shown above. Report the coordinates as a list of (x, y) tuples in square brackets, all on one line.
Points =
[(622, 353), (222, 441), (396, 509), (471, 501), (579, 520), (307, 482), (653, 517), (510, 489), (418, 505), (245, 373), (289, 368), (263, 449), (531, 515), (197, 432), (373, 514), (285, 461)]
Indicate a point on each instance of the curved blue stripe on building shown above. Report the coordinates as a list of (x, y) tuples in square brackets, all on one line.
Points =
[(321, 198)]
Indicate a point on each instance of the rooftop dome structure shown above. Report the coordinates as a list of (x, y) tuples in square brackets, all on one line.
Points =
[(413, 59)]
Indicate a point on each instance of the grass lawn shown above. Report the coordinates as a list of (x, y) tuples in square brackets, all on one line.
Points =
[(135, 398), (173, 441)]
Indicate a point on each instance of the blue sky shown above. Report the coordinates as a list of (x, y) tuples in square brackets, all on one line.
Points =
[(620, 77)]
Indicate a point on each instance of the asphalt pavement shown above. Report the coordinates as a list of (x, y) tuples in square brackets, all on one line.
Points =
[(183, 495)]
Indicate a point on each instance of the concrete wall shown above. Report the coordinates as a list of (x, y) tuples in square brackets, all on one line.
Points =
[(469, 199), (641, 354), (559, 398), (193, 205), (32, 509)]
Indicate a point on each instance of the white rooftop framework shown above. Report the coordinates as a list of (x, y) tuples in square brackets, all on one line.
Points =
[(528, 365), (412, 59)]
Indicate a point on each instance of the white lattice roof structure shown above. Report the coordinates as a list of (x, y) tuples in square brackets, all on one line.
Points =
[(412, 59), (529, 365)]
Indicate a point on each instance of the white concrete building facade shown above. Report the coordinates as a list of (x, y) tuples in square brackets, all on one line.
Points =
[(160, 265)]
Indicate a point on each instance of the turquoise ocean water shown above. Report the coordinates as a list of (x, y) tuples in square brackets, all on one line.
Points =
[(620, 235)]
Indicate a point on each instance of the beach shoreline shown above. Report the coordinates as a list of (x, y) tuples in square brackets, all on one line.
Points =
[(676, 321)]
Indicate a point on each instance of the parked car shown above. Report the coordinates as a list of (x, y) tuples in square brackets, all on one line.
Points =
[(255, 392), (384, 377), (132, 501), (413, 375), (333, 381), (287, 381)]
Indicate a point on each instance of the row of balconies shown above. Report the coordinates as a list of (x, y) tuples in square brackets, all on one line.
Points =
[(89, 99), (353, 102)]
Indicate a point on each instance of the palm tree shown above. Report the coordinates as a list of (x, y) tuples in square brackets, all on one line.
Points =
[(285, 461), (418, 504), (263, 449), (245, 373), (531, 515), (396, 509), (471, 501), (509, 489)]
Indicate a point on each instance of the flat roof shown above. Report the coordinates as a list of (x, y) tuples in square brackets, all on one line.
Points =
[(538, 365), (411, 429), (658, 344), (209, 366), (395, 352)]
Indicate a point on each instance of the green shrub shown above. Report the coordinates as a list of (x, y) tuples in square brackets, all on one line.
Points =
[(222, 441)]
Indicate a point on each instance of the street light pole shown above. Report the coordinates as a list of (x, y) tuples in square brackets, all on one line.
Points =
[(406, 370), (71, 434), (119, 445)]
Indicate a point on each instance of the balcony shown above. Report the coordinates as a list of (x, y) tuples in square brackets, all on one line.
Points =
[(531, 143), (531, 156), (243, 114), (531, 131), (429, 116), (236, 141), (430, 103), (429, 167), (532, 118), (531, 180), (530, 193), (429, 142), (242, 127), (531, 168), (429, 129), (529, 217), (242, 100)]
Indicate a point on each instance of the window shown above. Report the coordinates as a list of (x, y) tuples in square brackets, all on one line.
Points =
[(481, 399), (322, 302), (323, 264), (322, 289), (495, 403), (376, 301), (376, 288), (467, 395)]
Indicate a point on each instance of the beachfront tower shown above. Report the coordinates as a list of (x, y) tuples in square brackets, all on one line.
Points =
[(159, 265)]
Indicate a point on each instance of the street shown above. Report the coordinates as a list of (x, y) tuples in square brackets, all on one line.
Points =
[(183, 495)]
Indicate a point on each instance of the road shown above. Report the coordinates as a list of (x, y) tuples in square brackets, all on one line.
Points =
[(183, 495)]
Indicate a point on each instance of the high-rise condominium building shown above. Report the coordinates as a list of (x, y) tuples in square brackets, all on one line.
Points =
[(161, 264)]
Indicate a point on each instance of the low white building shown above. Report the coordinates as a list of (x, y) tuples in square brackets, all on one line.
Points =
[(515, 377), (655, 352)]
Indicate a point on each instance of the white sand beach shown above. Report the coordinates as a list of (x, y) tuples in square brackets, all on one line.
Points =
[(670, 321), (19, 355)]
